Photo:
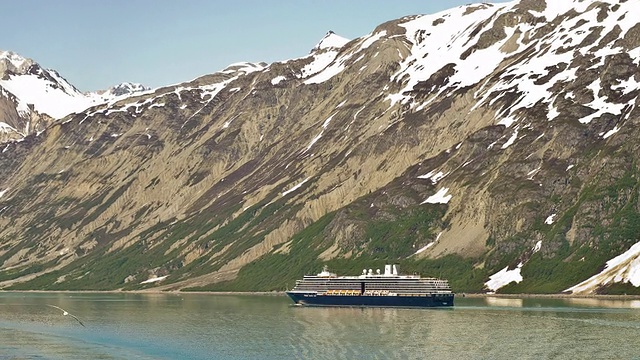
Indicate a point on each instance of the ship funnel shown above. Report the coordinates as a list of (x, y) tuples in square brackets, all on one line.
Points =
[(395, 270), (387, 270)]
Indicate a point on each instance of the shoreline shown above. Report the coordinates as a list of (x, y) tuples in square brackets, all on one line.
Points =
[(550, 296), (150, 292), (282, 293)]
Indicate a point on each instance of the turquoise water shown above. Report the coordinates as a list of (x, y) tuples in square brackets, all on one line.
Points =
[(191, 326)]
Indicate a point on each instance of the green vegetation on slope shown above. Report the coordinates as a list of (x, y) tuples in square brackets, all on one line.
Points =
[(386, 242), (616, 232)]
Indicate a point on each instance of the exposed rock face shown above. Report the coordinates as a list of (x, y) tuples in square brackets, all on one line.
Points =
[(11, 62), (125, 88), (17, 118), (486, 139)]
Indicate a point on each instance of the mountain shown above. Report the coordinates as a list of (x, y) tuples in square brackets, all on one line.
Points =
[(491, 144), (122, 89), (17, 117), (45, 89), (330, 41), (31, 97)]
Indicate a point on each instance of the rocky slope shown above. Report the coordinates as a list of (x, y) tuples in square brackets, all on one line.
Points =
[(494, 145)]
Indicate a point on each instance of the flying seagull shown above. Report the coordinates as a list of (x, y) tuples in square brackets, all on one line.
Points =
[(65, 313)]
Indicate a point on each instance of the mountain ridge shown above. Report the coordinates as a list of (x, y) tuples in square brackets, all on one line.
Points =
[(490, 144), (33, 97)]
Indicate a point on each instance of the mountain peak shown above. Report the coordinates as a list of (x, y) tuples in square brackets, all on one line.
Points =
[(13, 62), (329, 41), (47, 92), (126, 88)]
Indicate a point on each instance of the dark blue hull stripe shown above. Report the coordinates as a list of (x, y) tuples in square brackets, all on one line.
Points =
[(386, 301)]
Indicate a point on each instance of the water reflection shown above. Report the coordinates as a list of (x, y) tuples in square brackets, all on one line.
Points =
[(604, 303), (191, 326), (347, 332), (498, 301)]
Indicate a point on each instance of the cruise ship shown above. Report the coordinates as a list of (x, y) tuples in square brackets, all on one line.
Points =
[(386, 289)]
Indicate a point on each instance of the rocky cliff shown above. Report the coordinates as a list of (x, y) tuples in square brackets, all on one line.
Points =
[(494, 145)]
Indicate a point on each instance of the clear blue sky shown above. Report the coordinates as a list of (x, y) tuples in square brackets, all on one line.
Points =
[(97, 44)]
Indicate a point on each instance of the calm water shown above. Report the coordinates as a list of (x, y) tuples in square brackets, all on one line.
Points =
[(189, 326)]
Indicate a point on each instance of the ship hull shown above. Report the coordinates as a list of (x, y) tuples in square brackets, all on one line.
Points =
[(312, 299)]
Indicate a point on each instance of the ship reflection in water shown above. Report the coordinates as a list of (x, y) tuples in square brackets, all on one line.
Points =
[(369, 332)]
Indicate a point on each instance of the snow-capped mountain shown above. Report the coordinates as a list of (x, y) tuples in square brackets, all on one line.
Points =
[(12, 62), (45, 89), (330, 41), (493, 144), (17, 118), (46, 92)]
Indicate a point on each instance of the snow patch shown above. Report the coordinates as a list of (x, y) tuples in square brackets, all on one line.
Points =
[(504, 277), (277, 80), (611, 132), (320, 62), (624, 268), (425, 248), (433, 176), (440, 197), (330, 71), (331, 41), (428, 245), (6, 128), (295, 187), (533, 173), (600, 104), (512, 139), (326, 122), (154, 279), (537, 246), (315, 139), (549, 219), (372, 38)]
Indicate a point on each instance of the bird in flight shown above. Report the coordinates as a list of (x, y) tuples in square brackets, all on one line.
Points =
[(65, 313)]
